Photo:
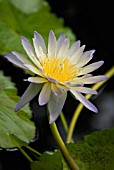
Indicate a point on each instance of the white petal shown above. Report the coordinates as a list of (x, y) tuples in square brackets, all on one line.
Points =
[(21, 57), (52, 44), (72, 84), (14, 60), (33, 69), (62, 87), (76, 56), (39, 42), (91, 67), (85, 90), (55, 89), (85, 58), (84, 101), (44, 95), (28, 95), (94, 79), (73, 48), (64, 48), (30, 51), (55, 105), (37, 79), (79, 80), (60, 41)]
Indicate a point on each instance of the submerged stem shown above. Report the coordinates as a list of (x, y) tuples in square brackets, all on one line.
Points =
[(25, 154), (63, 120), (33, 150), (109, 73), (62, 147)]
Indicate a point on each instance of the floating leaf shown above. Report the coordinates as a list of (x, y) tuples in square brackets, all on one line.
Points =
[(95, 152), (16, 129), (48, 160), (28, 6), (5, 83), (23, 18)]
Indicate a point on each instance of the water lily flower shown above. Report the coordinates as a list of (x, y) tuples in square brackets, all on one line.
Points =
[(57, 70)]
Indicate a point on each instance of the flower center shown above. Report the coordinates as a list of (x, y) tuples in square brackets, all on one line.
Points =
[(59, 69)]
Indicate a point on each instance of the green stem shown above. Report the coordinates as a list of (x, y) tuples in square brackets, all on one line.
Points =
[(25, 154), (33, 150), (78, 110), (62, 147), (63, 120)]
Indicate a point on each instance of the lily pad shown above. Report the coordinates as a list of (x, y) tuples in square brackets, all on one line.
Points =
[(96, 151), (23, 18), (48, 160), (16, 129)]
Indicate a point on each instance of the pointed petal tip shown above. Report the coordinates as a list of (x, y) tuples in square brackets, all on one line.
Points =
[(16, 108), (51, 33), (41, 103), (101, 62), (23, 39), (105, 77), (93, 51), (78, 41), (13, 52), (5, 55), (95, 110), (62, 35), (95, 92), (36, 33)]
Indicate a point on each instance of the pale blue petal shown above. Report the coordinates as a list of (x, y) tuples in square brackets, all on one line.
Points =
[(85, 90), (77, 55), (52, 44), (28, 95), (21, 57), (39, 41), (40, 47), (84, 101), (94, 79), (85, 58), (91, 67), (30, 51), (55, 105), (73, 48), (37, 79), (64, 48), (55, 89), (14, 60), (60, 41), (44, 95), (33, 69)]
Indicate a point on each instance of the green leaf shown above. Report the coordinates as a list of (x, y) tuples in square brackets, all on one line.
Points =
[(28, 6), (48, 160), (95, 152), (5, 83), (16, 129), (23, 18)]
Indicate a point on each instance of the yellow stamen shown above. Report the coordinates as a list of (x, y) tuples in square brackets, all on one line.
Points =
[(59, 69)]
